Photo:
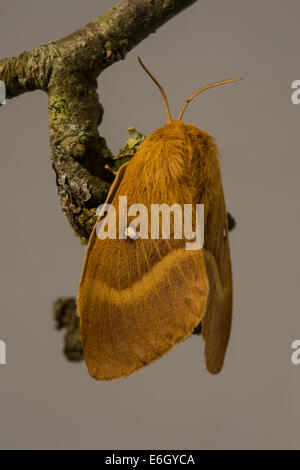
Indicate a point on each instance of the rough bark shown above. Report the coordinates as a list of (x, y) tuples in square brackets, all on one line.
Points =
[(67, 70), (65, 317)]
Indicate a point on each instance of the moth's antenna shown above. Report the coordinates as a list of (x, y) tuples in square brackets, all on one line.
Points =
[(160, 88), (203, 89)]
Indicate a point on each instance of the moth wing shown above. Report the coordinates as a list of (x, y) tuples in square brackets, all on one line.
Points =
[(116, 183), (109, 198), (216, 324), (137, 299)]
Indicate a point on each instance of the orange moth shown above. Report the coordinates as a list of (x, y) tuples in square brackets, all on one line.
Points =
[(139, 297)]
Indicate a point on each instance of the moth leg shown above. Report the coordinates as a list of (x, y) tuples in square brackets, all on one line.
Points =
[(124, 155), (231, 222), (198, 329), (108, 168)]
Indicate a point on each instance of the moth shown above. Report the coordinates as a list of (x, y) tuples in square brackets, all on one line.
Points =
[(138, 298)]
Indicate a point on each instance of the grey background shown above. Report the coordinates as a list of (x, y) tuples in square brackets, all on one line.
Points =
[(49, 403)]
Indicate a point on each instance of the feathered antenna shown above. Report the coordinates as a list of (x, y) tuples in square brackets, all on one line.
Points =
[(160, 88), (203, 89)]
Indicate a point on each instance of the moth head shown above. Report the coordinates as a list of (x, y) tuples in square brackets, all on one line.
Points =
[(223, 82)]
